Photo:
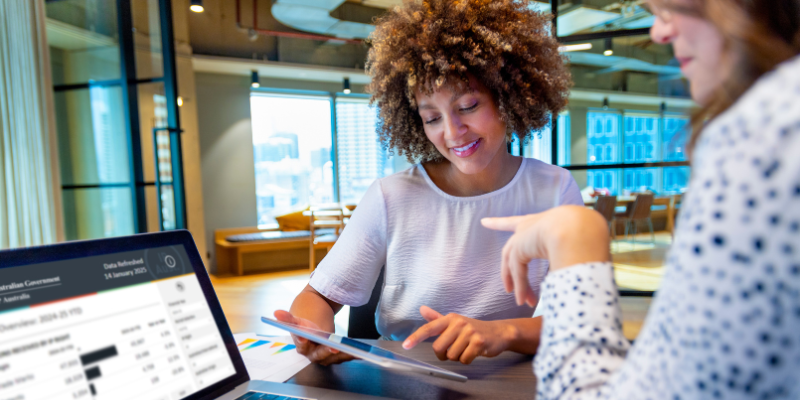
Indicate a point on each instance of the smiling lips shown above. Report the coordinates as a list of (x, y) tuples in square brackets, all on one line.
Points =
[(467, 150)]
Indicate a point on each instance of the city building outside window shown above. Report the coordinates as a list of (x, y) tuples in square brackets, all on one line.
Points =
[(643, 137), (361, 157), (603, 136), (292, 153)]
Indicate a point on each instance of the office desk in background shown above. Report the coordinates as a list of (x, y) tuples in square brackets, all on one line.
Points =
[(507, 376)]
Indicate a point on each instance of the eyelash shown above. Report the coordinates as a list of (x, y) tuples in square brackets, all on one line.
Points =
[(470, 108), (467, 109)]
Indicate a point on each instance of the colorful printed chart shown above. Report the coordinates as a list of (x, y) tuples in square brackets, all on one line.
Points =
[(249, 343), (271, 359)]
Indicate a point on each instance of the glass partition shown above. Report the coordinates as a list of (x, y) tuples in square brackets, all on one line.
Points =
[(91, 136), (111, 82), (594, 16), (147, 39), (83, 39), (96, 213), (631, 64)]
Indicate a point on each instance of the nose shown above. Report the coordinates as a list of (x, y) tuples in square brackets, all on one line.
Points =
[(454, 128), (662, 32)]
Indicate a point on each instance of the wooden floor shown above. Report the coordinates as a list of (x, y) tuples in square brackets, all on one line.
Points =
[(245, 299)]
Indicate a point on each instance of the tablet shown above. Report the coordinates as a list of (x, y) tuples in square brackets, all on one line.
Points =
[(366, 352)]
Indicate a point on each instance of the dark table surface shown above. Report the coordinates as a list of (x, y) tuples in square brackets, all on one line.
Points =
[(507, 376)]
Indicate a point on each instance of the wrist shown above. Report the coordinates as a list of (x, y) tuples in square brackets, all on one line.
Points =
[(511, 335), (523, 335), (581, 241)]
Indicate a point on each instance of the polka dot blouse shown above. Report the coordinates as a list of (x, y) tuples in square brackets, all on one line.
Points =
[(725, 323)]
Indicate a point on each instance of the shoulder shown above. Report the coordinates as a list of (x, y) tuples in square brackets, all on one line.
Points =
[(541, 172), (534, 166), (400, 182)]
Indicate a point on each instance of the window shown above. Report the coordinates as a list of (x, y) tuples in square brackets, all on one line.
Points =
[(292, 148), (599, 179), (602, 144), (361, 156), (676, 133), (540, 144), (638, 119), (643, 137), (642, 179), (676, 179)]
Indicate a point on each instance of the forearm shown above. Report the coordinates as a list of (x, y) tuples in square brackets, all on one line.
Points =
[(311, 305), (582, 343), (523, 334)]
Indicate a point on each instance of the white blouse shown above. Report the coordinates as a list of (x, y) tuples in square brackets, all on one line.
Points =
[(434, 248), (726, 322)]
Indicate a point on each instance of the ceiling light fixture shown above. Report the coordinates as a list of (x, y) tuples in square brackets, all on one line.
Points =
[(346, 86), (609, 48), (575, 47), (197, 6), (254, 79)]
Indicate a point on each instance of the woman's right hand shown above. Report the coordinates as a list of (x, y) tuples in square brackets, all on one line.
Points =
[(315, 352)]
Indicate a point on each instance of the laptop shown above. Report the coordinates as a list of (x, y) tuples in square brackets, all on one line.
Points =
[(123, 318)]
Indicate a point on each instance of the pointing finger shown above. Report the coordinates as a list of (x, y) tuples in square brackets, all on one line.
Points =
[(502, 224), (433, 328), (429, 314)]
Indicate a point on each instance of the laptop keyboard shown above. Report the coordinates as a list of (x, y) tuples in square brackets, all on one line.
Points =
[(268, 396)]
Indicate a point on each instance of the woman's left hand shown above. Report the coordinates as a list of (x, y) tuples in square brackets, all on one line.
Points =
[(461, 338)]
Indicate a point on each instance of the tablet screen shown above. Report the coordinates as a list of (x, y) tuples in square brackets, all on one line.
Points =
[(329, 338)]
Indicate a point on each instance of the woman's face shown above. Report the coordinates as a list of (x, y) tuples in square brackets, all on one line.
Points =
[(697, 44), (464, 126)]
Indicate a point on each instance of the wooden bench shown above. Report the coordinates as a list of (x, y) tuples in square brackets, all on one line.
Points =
[(239, 258)]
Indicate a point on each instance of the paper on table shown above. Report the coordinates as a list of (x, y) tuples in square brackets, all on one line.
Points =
[(269, 358)]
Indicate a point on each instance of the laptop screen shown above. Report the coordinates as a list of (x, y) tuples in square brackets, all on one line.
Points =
[(128, 325)]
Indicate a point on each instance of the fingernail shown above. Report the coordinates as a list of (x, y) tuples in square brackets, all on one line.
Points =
[(406, 345)]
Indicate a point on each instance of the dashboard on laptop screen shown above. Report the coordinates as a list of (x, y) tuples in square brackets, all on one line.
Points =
[(131, 325)]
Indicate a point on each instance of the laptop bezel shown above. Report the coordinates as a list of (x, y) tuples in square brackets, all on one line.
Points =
[(86, 248)]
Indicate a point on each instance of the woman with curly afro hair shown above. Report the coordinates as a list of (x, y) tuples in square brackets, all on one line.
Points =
[(453, 80)]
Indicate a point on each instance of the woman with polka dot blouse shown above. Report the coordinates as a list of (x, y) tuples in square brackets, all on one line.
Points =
[(726, 322)]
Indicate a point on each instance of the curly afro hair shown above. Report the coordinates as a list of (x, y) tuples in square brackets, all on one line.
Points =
[(426, 44)]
